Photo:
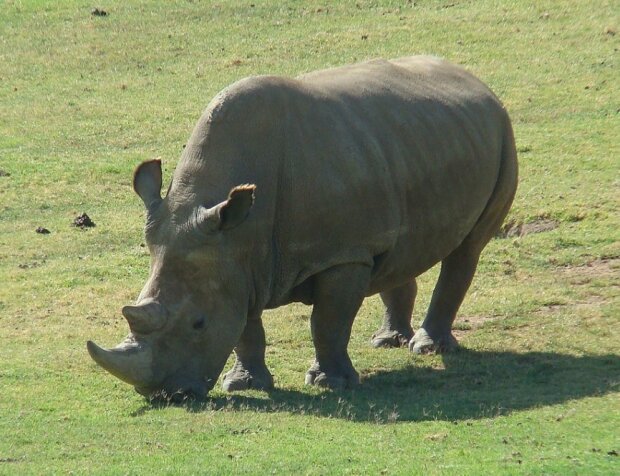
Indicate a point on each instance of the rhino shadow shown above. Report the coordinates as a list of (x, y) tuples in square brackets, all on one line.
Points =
[(473, 384)]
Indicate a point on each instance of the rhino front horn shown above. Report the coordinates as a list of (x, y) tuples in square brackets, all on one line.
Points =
[(130, 361)]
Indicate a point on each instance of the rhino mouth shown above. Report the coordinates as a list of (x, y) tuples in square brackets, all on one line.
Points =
[(180, 393), (132, 362)]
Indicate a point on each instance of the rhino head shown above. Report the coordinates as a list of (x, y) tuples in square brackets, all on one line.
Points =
[(193, 308)]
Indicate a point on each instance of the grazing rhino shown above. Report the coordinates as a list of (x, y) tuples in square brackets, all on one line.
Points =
[(365, 176)]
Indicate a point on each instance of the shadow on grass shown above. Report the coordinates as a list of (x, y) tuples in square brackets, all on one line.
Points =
[(472, 385)]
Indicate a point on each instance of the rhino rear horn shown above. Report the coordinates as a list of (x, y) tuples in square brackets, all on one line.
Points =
[(146, 317), (147, 182)]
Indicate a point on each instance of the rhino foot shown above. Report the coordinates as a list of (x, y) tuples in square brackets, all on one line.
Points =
[(423, 343), (335, 380), (239, 378), (387, 338)]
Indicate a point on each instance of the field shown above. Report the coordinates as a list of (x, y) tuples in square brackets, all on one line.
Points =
[(85, 97)]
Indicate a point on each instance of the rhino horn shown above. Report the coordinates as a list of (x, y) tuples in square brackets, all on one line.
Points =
[(130, 362), (145, 317)]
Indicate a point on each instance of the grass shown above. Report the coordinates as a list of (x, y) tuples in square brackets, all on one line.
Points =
[(84, 99)]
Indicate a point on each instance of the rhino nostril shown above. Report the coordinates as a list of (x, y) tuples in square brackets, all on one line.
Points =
[(199, 324)]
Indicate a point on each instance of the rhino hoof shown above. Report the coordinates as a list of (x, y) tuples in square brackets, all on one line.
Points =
[(317, 377), (242, 379), (385, 338), (423, 343)]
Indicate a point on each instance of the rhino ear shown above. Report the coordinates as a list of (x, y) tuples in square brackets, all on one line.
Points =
[(230, 213), (147, 182)]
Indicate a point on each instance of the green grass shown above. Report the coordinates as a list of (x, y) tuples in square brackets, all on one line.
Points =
[(83, 99)]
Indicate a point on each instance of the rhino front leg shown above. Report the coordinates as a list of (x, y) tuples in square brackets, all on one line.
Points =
[(249, 370), (396, 330), (457, 272), (338, 294)]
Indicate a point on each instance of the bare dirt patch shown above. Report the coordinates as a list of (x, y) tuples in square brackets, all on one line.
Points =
[(591, 301), (34, 264), (465, 324), (599, 268), (606, 269), (513, 229)]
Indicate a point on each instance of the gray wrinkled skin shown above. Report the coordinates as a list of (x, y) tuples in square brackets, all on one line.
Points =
[(323, 189)]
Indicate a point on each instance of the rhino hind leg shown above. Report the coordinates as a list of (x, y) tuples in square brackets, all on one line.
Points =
[(457, 272), (337, 295), (249, 370), (458, 268), (396, 329), (455, 277)]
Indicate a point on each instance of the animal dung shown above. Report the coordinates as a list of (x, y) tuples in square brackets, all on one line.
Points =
[(83, 221), (42, 231), (98, 12)]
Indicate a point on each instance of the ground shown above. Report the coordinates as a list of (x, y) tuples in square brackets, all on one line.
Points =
[(85, 97)]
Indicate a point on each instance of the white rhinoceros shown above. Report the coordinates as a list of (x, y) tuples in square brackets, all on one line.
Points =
[(365, 176)]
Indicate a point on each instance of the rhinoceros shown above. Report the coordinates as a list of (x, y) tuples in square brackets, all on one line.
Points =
[(323, 189)]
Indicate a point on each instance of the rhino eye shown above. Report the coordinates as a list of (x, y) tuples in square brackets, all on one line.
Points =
[(199, 324)]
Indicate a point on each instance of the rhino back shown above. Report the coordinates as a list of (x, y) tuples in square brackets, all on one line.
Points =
[(388, 163)]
